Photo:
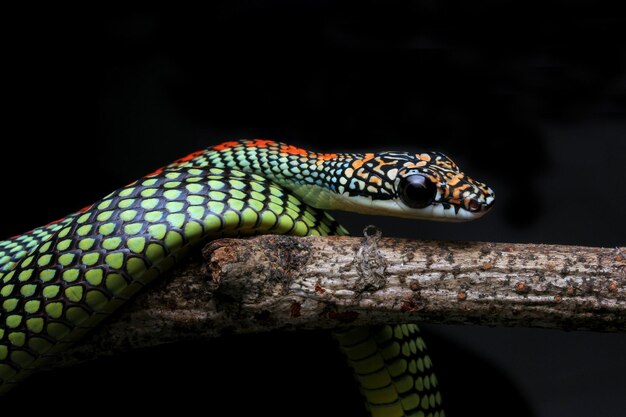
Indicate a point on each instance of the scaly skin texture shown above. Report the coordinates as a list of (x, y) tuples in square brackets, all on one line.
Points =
[(60, 280)]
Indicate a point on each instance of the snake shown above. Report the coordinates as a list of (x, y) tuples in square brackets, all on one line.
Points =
[(59, 281)]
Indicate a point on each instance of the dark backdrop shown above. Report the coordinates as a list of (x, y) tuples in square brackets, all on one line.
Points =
[(530, 99)]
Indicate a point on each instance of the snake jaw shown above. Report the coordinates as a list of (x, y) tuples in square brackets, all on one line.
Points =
[(441, 212)]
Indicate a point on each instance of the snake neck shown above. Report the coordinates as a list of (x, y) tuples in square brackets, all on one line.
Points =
[(328, 181)]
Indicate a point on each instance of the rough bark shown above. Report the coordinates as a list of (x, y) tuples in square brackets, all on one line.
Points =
[(280, 282)]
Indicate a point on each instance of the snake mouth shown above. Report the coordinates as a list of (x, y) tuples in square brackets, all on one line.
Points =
[(470, 209)]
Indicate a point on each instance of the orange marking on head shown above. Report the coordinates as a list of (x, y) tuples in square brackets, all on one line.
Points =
[(424, 157), (376, 180), (260, 143), (292, 150), (434, 177), (455, 180), (225, 145), (415, 165)]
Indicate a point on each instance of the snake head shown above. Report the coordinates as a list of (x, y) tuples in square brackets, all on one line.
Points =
[(420, 186)]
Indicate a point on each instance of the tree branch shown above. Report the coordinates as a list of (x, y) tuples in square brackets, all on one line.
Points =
[(281, 282)]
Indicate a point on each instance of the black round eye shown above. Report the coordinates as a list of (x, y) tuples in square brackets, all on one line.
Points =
[(417, 191)]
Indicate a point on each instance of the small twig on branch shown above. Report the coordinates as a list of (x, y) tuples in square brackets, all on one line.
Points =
[(281, 282)]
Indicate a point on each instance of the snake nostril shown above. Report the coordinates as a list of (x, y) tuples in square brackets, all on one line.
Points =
[(474, 205)]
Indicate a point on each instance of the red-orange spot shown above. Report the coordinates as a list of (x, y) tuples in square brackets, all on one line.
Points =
[(326, 156), (225, 145), (153, 173), (292, 150), (53, 222), (260, 143), (191, 156), (84, 209), (521, 287)]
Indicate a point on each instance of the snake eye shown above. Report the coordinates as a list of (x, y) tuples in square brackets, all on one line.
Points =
[(417, 191)]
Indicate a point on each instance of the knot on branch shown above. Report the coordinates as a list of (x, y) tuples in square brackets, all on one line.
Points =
[(371, 265)]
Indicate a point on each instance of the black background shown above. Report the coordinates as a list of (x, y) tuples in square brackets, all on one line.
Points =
[(530, 99)]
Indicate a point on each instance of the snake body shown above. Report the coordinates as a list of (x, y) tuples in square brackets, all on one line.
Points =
[(60, 280)]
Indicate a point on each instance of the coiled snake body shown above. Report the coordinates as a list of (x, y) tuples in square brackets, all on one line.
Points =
[(60, 280)]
